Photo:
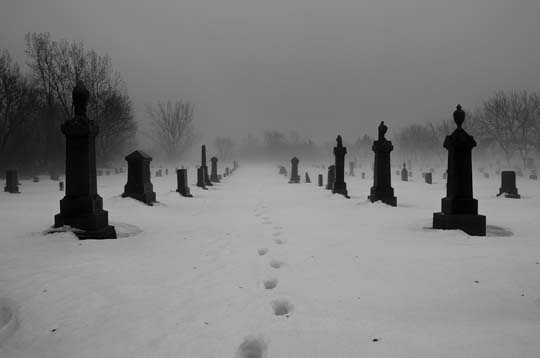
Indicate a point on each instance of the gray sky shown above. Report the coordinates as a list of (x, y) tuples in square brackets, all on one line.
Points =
[(319, 67)]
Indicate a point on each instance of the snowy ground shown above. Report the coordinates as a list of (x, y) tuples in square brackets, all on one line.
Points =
[(350, 278)]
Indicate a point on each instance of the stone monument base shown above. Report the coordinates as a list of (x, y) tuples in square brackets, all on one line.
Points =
[(147, 198), (294, 180), (472, 224), (108, 232), (185, 192), (390, 200), (90, 221), (342, 191)]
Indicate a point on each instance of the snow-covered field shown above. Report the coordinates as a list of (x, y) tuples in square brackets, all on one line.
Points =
[(205, 276)]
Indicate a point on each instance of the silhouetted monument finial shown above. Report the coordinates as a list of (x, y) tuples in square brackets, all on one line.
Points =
[(339, 141), (459, 116), (80, 98), (382, 130)]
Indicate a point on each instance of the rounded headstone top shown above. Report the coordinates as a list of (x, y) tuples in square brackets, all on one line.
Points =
[(459, 116), (80, 96)]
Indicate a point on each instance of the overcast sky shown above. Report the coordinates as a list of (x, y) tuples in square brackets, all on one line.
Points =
[(319, 67)]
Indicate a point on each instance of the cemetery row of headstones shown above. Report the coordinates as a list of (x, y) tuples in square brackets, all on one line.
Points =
[(459, 209), (82, 207)]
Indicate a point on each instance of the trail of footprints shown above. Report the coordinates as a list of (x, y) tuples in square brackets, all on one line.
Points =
[(255, 347), (280, 307)]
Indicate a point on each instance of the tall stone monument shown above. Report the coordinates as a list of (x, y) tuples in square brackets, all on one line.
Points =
[(82, 207), (382, 176), (206, 178), (214, 176), (459, 208), (295, 178), (139, 186), (201, 183), (340, 187)]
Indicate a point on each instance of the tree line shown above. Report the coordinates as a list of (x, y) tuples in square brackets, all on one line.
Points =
[(506, 124)]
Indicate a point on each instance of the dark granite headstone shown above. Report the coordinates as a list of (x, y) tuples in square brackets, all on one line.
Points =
[(138, 184), (295, 178), (340, 187), (282, 170), (351, 169), (382, 178), (331, 177), (508, 185), (320, 180), (206, 177), (308, 180), (459, 208), (12, 182), (82, 207), (428, 178), (214, 176), (61, 186), (200, 178), (182, 183), (227, 171), (404, 173)]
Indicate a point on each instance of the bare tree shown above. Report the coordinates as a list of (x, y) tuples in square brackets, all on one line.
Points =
[(172, 125), (510, 119), (17, 101), (224, 146)]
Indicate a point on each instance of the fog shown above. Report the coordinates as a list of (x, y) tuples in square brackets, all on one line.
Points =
[(318, 67)]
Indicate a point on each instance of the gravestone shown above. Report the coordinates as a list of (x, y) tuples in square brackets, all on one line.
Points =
[(363, 175), (382, 178), (533, 176), (351, 169), (508, 185), (158, 173), (235, 165), (35, 179), (214, 176), (138, 184), (166, 171), (182, 183), (282, 170), (12, 182), (82, 207), (308, 180), (404, 173), (295, 178), (428, 178), (320, 180), (340, 187), (206, 177), (459, 208), (61, 186), (331, 177), (227, 171), (201, 183)]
